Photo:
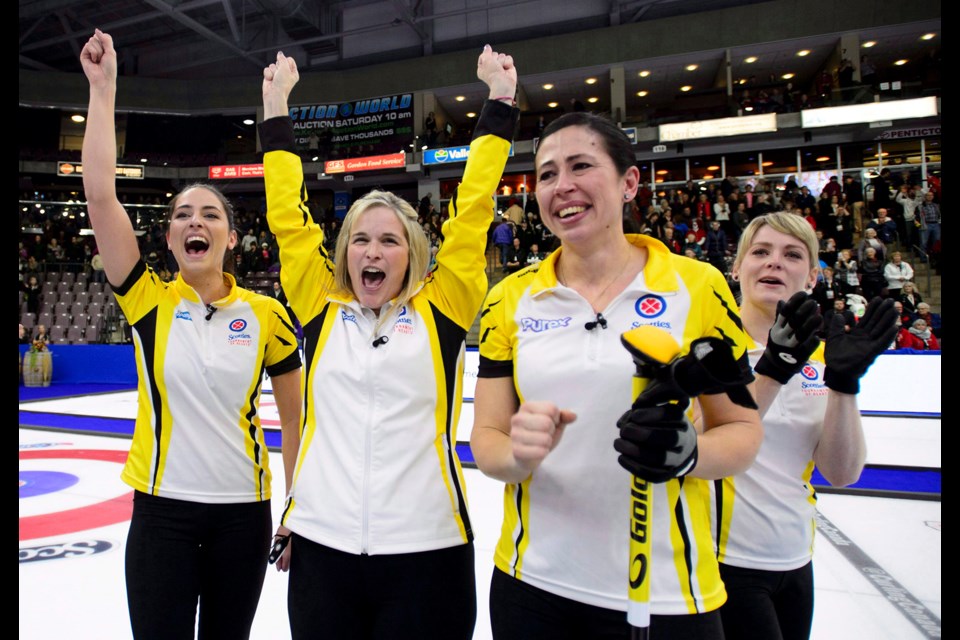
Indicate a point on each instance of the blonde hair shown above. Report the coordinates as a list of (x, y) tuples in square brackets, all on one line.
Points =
[(419, 247), (783, 222)]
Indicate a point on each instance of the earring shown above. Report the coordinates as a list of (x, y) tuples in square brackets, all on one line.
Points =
[(626, 196)]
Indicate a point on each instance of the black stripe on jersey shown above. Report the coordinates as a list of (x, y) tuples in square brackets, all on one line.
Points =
[(733, 315), (146, 328), (490, 368), (285, 321), (311, 335), (286, 508), (718, 505), (486, 332), (302, 205), (451, 336), (252, 432), (131, 280), (726, 339), (490, 306), (288, 364), (516, 543), (687, 546)]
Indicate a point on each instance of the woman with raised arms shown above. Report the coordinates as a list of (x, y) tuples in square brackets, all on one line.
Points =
[(382, 541), (201, 522)]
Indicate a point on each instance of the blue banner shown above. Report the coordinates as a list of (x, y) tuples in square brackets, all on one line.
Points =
[(449, 155)]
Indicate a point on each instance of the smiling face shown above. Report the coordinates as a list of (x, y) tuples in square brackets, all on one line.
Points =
[(377, 257), (773, 267), (200, 232), (580, 190)]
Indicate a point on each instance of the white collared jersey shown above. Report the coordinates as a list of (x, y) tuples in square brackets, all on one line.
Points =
[(378, 471), (566, 527), (764, 517), (198, 435)]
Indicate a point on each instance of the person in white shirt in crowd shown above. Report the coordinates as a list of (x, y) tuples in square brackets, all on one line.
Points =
[(896, 272)]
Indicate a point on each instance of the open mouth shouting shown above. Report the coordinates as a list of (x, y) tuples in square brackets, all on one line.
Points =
[(372, 278), (196, 246)]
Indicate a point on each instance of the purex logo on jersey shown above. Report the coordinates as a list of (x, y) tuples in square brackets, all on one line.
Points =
[(183, 315), (64, 550), (650, 306), (543, 324)]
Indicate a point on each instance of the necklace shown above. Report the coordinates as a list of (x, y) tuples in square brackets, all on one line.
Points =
[(599, 296)]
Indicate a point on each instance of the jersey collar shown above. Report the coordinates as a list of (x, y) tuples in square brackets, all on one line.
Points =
[(658, 272)]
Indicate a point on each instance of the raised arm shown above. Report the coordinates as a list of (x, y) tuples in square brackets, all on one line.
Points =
[(842, 451), (111, 224), (279, 79), (460, 281), (306, 271)]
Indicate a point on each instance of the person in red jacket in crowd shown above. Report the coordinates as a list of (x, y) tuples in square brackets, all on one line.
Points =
[(918, 337)]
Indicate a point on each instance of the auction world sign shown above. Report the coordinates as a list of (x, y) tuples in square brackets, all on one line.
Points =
[(373, 126)]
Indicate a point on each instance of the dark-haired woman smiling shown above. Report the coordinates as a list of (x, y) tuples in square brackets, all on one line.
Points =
[(201, 522), (551, 365)]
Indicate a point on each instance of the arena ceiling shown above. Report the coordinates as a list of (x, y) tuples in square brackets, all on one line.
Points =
[(194, 39)]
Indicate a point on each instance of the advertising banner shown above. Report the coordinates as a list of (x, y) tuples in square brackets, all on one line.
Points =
[(233, 171), (369, 163), (373, 126), (449, 155)]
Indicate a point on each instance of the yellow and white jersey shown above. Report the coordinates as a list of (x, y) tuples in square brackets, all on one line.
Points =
[(198, 436), (378, 471), (566, 527), (764, 517)]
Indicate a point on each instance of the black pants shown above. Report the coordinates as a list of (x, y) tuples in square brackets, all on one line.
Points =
[(180, 553), (424, 595), (519, 611), (772, 605)]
